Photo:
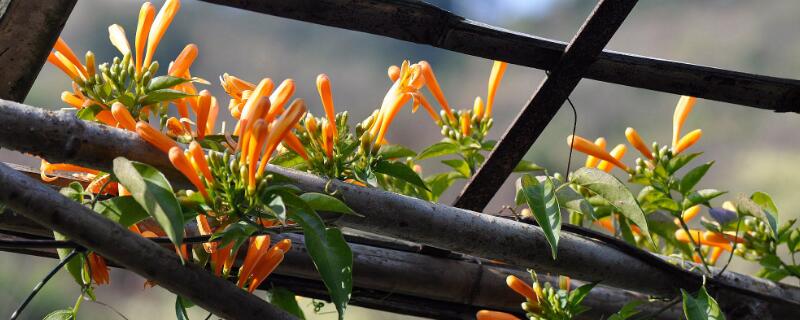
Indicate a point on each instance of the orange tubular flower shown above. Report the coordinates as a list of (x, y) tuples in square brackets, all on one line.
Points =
[(222, 259), (521, 287), (266, 265), (96, 184), (324, 89), (587, 147), (46, 168), (280, 128), (394, 73), (618, 152), (477, 108), (466, 126), (60, 61), (714, 256), (159, 27), (118, 38), (688, 214), (260, 135), (279, 98), (682, 110), (213, 112), (711, 236), (99, 270), (175, 128), (433, 86), (406, 87), (248, 111), (259, 246), (203, 106), (244, 140), (608, 225), (327, 139), (498, 69), (199, 157), (682, 236), (205, 229), (123, 117), (72, 100), (180, 162), (292, 142), (637, 142), (234, 86), (591, 161), (62, 48), (155, 137), (688, 140), (494, 315), (146, 15), (183, 61)]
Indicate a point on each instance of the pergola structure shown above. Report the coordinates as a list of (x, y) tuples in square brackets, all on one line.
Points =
[(438, 266)]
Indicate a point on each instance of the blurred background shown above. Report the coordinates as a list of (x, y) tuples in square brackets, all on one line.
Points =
[(755, 150)]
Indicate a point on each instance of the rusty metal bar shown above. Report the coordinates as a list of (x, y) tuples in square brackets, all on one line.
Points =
[(595, 33), (28, 30)]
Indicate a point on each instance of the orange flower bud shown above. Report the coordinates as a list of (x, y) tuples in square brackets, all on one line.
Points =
[(637, 142), (146, 15), (618, 152), (159, 27), (259, 246), (688, 140), (213, 113), (682, 110), (155, 137), (260, 135), (494, 315), (394, 73), (180, 162), (72, 99), (324, 89), (280, 129), (98, 267), (711, 236), (184, 61), (591, 161), (249, 109), (279, 98), (265, 266), (477, 108), (716, 252), (123, 117), (689, 214), (585, 146), (118, 38), (521, 288), (498, 69), (68, 55), (199, 157), (466, 126), (203, 106), (682, 236)]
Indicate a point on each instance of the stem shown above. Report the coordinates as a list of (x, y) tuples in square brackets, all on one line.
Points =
[(41, 284), (696, 245), (77, 305)]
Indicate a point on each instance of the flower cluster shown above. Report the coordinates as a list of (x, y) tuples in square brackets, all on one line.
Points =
[(543, 301)]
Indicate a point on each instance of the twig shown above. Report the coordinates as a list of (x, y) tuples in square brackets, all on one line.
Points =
[(41, 284)]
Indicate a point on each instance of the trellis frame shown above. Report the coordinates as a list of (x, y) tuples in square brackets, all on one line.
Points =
[(419, 22)]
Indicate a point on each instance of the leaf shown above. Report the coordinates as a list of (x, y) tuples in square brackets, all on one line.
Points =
[(679, 161), (573, 201), (286, 301), (127, 99), (773, 268), (703, 307), (488, 145), (400, 171), (439, 183), (74, 191), (438, 150), (65, 314), (123, 210), (627, 311), (701, 197), (165, 82), (394, 151), (459, 166), (180, 308), (74, 266), (162, 95), (331, 255), (89, 113), (691, 178), (576, 296), (152, 191), (278, 207), (541, 198), (612, 190), (770, 211), (324, 202), (527, 166)]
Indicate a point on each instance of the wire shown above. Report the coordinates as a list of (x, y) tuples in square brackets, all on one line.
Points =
[(41, 284)]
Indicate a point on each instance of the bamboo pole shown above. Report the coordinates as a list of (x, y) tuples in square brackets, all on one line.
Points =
[(47, 207), (411, 219)]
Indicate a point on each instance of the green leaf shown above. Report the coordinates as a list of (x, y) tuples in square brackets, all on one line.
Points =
[(162, 95), (74, 191), (152, 191), (438, 150), (180, 308), (278, 208), (527, 166), (439, 183), (693, 177), (127, 99), (459, 166), (74, 266), (573, 201), (677, 162), (488, 145), (89, 113), (331, 255), (702, 307), (701, 197), (612, 190), (165, 82), (324, 202), (400, 171), (285, 300), (65, 314), (541, 198), (627, 311), (769, 210), (394, 151), (576, 296), (772, 268), (123, 210)]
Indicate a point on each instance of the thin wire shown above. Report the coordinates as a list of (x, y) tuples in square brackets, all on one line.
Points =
[(41, 284), (574, 130)]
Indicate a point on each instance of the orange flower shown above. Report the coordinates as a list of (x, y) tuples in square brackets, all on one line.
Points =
[(521, 287), (292, 142), (180, 162), (714, 256), (688, 214), (258, 247), (199, 159), (279, 98), (279, 129), (213, 112), (123, 117), (433, 86), (98, 268), (327, 139), (498, 69), (394, 73), (260, 131), (96, 184), (477, 108), (466, 126), (244, 140), (585, 146), (591, 161), (72, 99), (235, 86), (268, 263), (203, 106), (183, 61), (222, 259), (250, 107), (711, 236), (688, 140), (682, 236), (607, 224), (175, 128), (159, 27), (146, 15), (406, 87), (494, 315), (155, 137), (324, 89), (618, 152), (58, 60), (118, 38), (682, 110), (46, 168), (205, 229), (63, 49), (637, 142)]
